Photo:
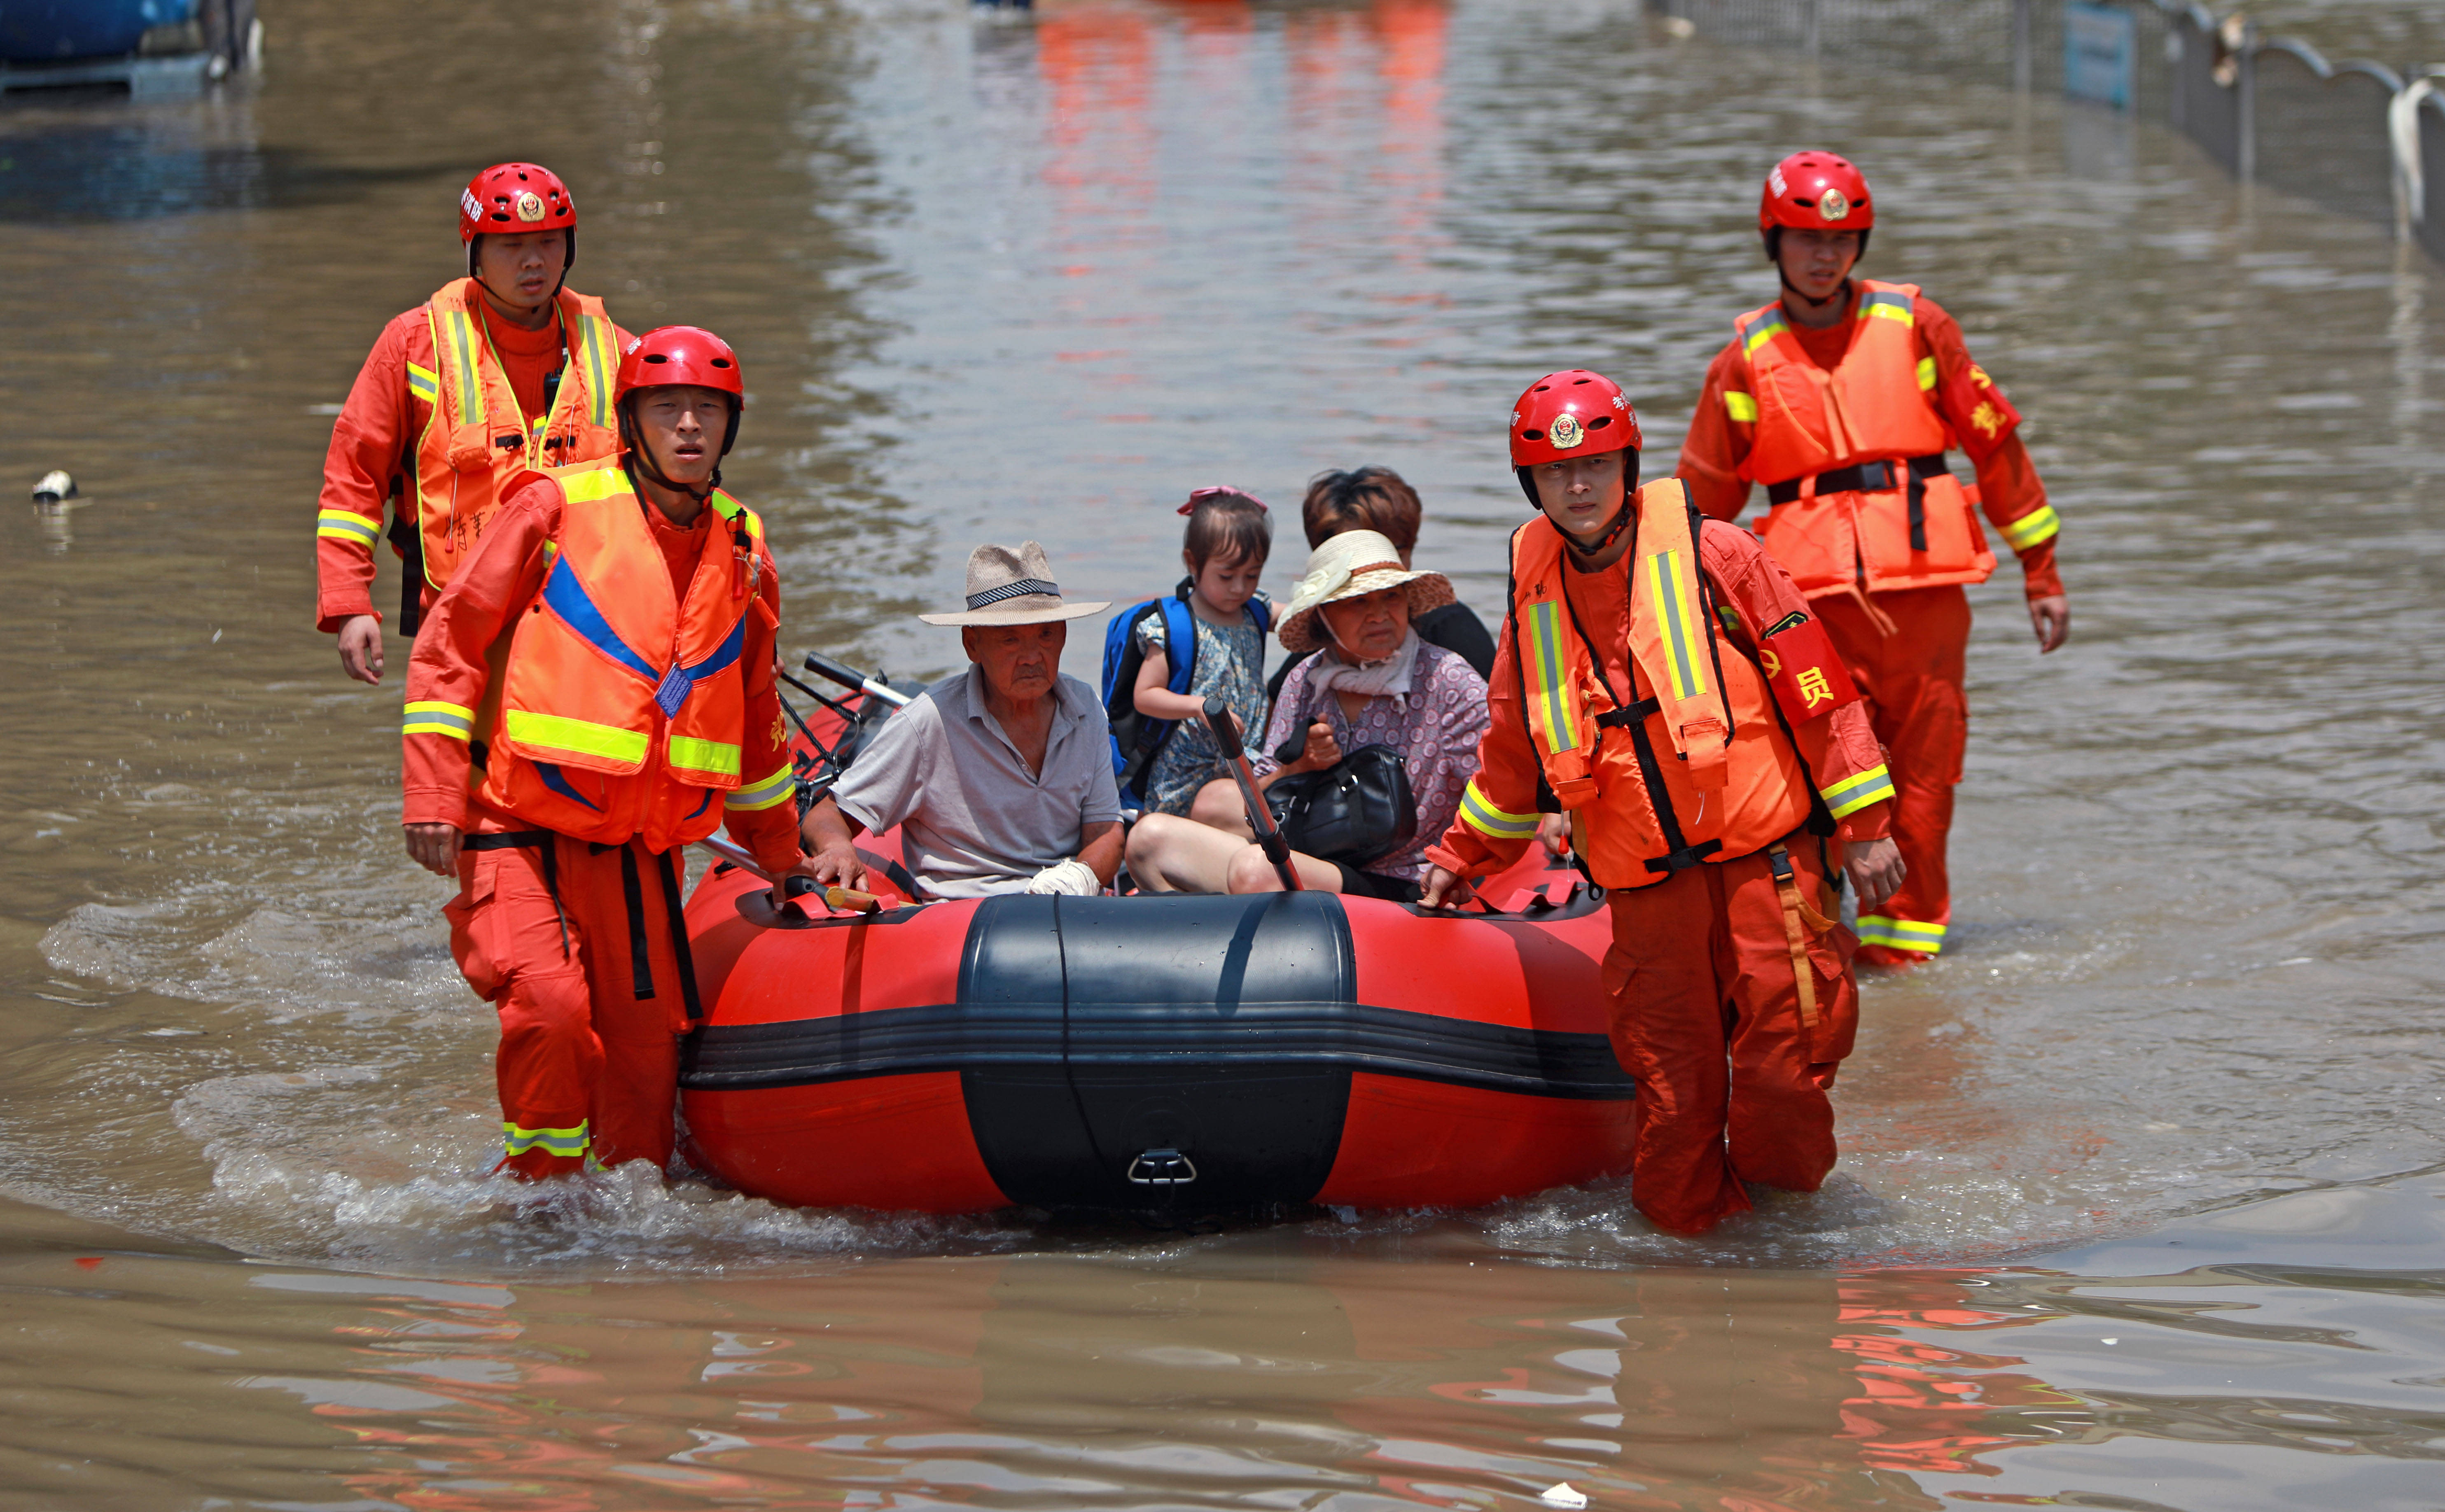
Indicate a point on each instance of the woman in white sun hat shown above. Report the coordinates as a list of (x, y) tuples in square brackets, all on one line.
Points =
[(1370, 681)]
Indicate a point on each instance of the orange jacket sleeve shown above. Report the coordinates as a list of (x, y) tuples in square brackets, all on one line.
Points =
[(1508, 779), (1718, 442), (770, 833), (1844, 758), (1988, 428), (370, 442), (452, 663)]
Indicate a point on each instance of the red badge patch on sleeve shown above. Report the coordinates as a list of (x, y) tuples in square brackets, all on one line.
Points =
[(1809, 679)]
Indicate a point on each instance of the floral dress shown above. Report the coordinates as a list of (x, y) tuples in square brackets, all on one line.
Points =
[(1230, 666)]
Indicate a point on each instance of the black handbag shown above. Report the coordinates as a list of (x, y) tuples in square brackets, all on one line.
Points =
[(1355, 810)]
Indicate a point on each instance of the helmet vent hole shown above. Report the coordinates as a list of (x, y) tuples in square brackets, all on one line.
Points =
[(1540, 388), (1577, 381), (655, 356), (1532, 436), (1600, 422), (719, 362)]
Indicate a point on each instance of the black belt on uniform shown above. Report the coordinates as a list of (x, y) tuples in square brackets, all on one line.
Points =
[(1874, 478), (640, 967), (539, 841)]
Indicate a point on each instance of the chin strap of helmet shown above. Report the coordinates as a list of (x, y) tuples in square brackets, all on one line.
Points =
[(1527, 476)]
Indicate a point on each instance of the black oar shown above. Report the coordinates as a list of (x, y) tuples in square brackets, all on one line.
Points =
[(1261, 818)]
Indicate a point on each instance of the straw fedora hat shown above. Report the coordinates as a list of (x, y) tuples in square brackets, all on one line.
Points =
[(1351, 566), (1013, 588)]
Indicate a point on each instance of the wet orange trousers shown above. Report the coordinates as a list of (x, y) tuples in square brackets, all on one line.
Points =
[(589, 993), (1705, 1016), (1912, 680)]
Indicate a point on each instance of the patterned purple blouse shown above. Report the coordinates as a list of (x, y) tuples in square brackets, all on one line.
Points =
[(1435, 728)]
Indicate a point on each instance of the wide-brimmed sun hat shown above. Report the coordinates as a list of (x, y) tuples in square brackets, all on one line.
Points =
[(1013, 588), (1351, 566)]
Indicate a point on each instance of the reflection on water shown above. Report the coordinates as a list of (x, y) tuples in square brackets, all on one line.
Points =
[(1285, 1369), (1038, 274)]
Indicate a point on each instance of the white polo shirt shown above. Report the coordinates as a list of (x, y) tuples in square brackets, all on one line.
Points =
[(975, 822)]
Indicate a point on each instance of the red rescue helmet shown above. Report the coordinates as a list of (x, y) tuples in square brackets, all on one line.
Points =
[(512, 199), (1575, 413), (1571, 414), (1816, 191), (681, 354)]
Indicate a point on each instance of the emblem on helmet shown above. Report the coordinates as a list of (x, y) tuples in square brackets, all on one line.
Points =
[(1832, 205), (530, 206), (1565, 432)]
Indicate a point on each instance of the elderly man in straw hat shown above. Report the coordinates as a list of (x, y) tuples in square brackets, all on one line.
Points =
[(1000, 776), (1370, 681)]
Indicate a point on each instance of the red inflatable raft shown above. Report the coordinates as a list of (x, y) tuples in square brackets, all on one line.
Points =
[(1145, 1053)]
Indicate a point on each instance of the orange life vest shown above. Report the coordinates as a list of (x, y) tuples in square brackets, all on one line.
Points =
[(1698, 767), (1904, 522), (477, 439), (624, 710)]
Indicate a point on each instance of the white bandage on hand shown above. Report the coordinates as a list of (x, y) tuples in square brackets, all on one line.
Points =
[(1073, 878)]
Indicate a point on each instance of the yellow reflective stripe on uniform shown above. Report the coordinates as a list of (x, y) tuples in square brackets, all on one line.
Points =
[(1740, 407), (461, 342), (347, 525), (595, 483), (1553, 702), (1888, 304), (2032, 529), (432, 718), (1926, 373), (1753, 337), (1486, 819), (1901, 934), (730, 508), (1688, 660), (572, 1142), (558, 732), (1854, 794), (595, 344), (423, 382), (764, 795), (691, 755)]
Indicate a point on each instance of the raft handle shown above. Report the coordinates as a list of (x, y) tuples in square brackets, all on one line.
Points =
[(1162, 1167)]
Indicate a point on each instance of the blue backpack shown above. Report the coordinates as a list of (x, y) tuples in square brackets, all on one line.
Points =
[(1137, 739)]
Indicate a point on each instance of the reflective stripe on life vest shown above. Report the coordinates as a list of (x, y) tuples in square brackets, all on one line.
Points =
[(716, 758), (1901, 934), (1553, 693), (764, 793), (1926, 375), (458, 344), (1673, 582), (1856, 792), (430, 716), (1887, 304), (423, 382), (556, 732), (1738, 407), (2036, 527), (1484, 817), (347, 525), (1756, 330)]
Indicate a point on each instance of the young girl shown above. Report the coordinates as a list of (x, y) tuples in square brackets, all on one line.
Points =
[(1229, 538)]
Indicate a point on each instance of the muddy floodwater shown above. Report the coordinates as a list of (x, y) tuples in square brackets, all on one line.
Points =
[(2143, 1204)]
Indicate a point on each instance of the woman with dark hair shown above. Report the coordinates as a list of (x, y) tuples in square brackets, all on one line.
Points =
[(1379, 499)]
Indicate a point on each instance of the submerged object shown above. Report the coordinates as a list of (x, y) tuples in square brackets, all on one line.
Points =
[(55, 485), (1152, 1052)]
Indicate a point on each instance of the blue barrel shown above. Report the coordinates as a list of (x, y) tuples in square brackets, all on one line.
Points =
[(55, 30)]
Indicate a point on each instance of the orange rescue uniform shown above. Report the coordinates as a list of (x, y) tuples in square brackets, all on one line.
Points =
[(639, 716), (1718, 891), (387, 443), (1799, 410)]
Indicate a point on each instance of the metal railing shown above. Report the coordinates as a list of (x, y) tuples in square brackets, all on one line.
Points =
[(2355, 136)]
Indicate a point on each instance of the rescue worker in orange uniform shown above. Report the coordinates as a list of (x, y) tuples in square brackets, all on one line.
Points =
[(630, 605), (1843, 397), (500, 373), (1660, 682)]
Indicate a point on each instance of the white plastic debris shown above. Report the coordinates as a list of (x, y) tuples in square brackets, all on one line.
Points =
[(55, 485), (1561, 1493)]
